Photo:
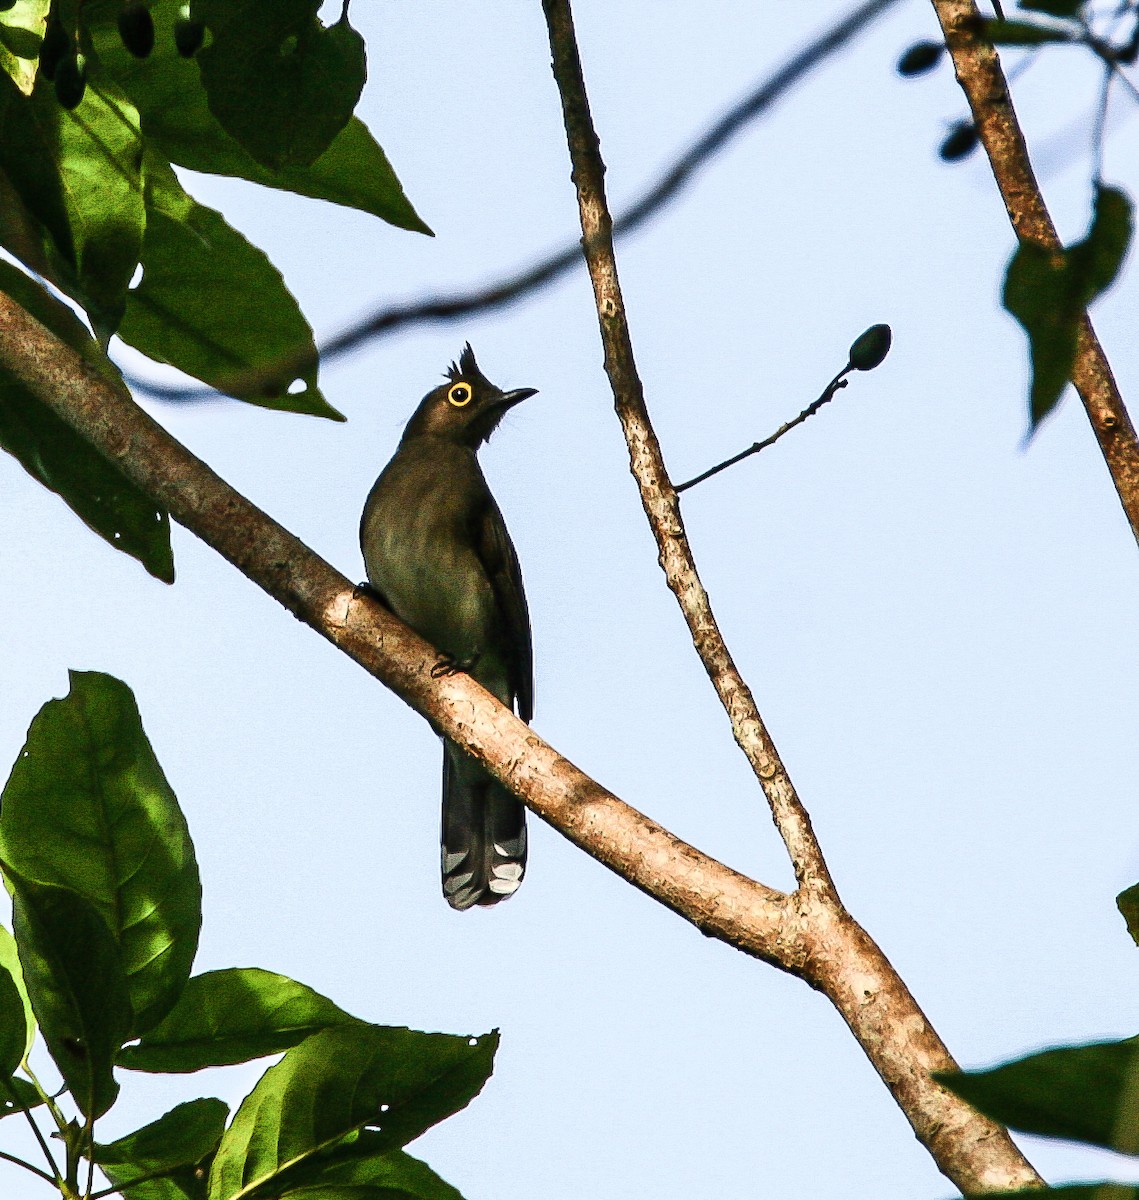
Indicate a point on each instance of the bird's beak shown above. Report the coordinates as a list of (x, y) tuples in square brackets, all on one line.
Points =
[(510, 399)]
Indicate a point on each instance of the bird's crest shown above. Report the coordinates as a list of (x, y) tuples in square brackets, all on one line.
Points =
[(466, 367)]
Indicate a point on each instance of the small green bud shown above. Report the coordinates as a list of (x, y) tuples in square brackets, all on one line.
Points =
[(960, 142), (136, 28), (188, 33), (870, 348), (71, 80), (920, 57), (54, 47)]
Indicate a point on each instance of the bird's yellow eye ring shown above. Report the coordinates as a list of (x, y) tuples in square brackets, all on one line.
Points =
[(460, 394)]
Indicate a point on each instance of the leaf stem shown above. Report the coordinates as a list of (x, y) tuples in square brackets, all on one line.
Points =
[(55, 1176), (27, 1167), (836, 384)]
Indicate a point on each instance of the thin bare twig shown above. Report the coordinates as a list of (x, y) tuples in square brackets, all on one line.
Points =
[(843, 961), (983, 82), (517, 286), (829, 393)]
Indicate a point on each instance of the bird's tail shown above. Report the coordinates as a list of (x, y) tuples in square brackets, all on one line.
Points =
[(484, 834)]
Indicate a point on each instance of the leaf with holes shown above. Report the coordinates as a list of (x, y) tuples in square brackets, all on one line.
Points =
[(87, 807), (1084, 1093), (1049, 291), (55, 455), (232, 1016), (395, 1081), (80, 173), (214, 306), (74, 976)]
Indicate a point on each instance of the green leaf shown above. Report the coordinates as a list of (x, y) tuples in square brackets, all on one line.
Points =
[(1022, 33), (176, 119), (1055, 8), (17, 1095), (87, 807), (355, 1164), (74, 977), (54, 454), (277, 80), (232, 1016), (21, 31), (10, 962), (1085, 1093), (181, 1142), (215, 307), (13, 1025), (1049, 291), (394, 1080), (79, 173), (181, 1137), (1128, 904)]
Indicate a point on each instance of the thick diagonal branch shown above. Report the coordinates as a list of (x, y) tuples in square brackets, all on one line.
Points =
[(843, 961), (983, 82)]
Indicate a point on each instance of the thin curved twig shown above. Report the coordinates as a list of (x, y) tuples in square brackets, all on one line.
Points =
[(979, 73), (843, 962), (520, 284)]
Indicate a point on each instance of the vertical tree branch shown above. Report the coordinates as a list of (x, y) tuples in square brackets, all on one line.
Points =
[(647, 464), (983, 82), (842, 960)]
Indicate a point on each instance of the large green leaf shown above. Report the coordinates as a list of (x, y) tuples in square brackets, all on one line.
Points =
[(277, 80), (87, 807), (231, 1016), (1085, 1093), (176, 119), (74, 976), (356, 1164), (10, 962), (178, 1144), (21, 31), (13, 1025), (214, 306), (55, 455), (395, 1081), (1049, 291), (79, 173)]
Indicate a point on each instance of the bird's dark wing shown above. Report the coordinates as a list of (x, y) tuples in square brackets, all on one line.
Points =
[(499, 560)]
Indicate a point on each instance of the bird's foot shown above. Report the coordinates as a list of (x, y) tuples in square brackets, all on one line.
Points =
[(366, 589), (449, 664)]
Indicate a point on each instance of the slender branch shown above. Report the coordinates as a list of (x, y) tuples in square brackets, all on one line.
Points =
[(19, 1162), (55, 1177), (982, 80), (843, 961), (517, 286), (829, 393)]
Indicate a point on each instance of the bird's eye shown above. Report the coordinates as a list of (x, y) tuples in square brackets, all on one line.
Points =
[(460, 394)]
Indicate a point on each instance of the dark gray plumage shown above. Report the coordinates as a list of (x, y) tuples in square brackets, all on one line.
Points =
[(436, 549)]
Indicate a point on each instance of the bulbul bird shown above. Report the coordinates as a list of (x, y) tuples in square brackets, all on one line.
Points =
[(437, 552)]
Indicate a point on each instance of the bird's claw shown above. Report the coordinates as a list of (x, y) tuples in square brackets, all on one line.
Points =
[(449, 664)]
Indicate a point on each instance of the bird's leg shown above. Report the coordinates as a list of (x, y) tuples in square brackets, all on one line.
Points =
[(449, 664)]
